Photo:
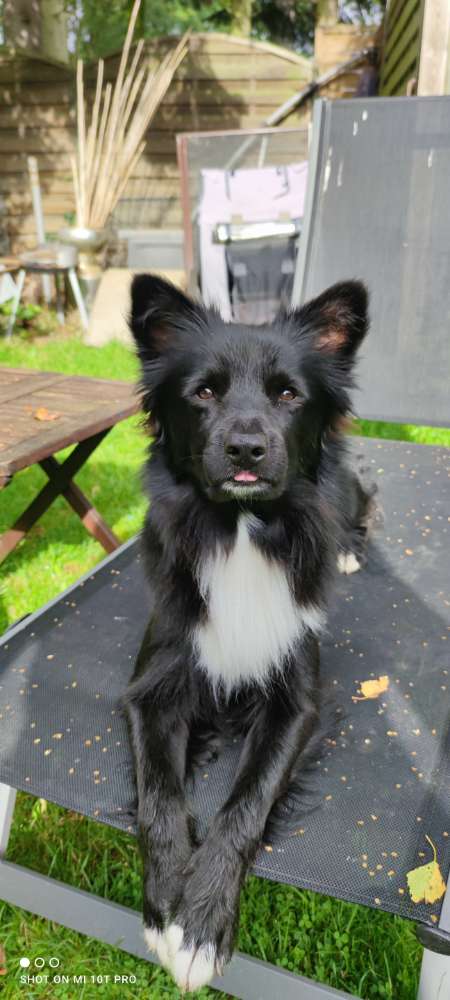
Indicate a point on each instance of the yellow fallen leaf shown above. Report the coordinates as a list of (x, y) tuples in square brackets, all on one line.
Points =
[(426, 883), (43, 414), (371, 689)]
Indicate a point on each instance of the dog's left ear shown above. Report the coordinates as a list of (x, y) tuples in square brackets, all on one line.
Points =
[(337, 320), (159, 314)]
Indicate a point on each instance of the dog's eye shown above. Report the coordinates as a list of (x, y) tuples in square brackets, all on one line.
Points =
[(204, 392), (287, 395)]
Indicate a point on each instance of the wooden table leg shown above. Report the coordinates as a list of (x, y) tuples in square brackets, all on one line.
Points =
[(89, 515), (60, 482)]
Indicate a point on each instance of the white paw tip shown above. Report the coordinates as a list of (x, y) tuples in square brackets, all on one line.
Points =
[(191, 968), (174, 938), (151, 936), (156, 941), (348, 563)]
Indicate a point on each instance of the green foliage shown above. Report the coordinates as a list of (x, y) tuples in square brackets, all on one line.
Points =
[(366, 11), (288, 23), (25, 312), (31, 320), (99, 26)]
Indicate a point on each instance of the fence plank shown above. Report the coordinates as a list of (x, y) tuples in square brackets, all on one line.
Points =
[(401, 46)]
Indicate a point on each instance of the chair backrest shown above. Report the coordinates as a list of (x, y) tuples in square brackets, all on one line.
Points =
[(378, 208), (247, 282)]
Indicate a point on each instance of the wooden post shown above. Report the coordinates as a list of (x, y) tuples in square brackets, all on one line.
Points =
[(434, 65), (241, 17), (39, 27), (327, 13), (39, 219), (21, 24)]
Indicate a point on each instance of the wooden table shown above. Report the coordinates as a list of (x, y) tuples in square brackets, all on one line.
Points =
[(43, 412)]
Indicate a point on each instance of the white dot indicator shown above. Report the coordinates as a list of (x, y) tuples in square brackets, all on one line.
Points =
[(24, 963), (39, 963), (53, 962)]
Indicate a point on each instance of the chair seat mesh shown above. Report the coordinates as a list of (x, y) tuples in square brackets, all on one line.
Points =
[(383, 781)]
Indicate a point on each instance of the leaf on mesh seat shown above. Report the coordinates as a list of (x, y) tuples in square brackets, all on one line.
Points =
[(371, 689), (426, 884)]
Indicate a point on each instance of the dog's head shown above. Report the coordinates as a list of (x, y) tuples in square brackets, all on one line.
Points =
[(242, 410)]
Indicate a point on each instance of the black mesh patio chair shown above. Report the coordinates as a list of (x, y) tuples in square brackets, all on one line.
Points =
[(384, 780)]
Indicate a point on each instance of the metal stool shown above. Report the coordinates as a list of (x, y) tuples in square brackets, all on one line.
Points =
[(57, 270)]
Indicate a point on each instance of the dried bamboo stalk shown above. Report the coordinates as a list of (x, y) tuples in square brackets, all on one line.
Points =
[(120, 118), (124, 181), (127, 100), (152, 94), (98, 159), (92, 133), (115, 106), (133, 68), (132, 97), (76, 186)]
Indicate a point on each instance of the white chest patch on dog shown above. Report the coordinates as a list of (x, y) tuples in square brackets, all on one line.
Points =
[(253, 619)]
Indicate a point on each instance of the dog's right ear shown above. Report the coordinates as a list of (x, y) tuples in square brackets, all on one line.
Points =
[(159, 313)]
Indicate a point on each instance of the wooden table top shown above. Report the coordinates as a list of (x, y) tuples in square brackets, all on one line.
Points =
[(43, 412)]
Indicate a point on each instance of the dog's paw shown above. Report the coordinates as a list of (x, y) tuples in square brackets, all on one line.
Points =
[(348, 563), (163, 886), (191, 966), (156, 942), (195, 937)]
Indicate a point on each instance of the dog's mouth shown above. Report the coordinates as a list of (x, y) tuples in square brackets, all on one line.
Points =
[(245, 477), (258, 482), (245, 482)]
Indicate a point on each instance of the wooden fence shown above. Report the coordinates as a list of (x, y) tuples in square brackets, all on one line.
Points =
[(223, 83), (401, 49)]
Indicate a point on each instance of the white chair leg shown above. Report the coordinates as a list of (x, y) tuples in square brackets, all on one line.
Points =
[(75, 286), (434, 976), (16, 300), (7, 803)]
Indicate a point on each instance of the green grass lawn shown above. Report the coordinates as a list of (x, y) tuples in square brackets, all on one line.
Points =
[(364, 952)]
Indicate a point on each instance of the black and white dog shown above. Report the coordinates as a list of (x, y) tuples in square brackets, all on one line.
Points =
[(251, 507)]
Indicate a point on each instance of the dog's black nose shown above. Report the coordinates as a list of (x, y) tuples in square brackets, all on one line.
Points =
[(245, 449)]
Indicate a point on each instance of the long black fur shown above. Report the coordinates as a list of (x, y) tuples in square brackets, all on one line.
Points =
[(310, 507)]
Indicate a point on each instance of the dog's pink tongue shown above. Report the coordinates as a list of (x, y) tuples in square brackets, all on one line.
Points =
[(245, 477)]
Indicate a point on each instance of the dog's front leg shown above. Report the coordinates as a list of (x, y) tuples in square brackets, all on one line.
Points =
[(201, 936), (159, 739)]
